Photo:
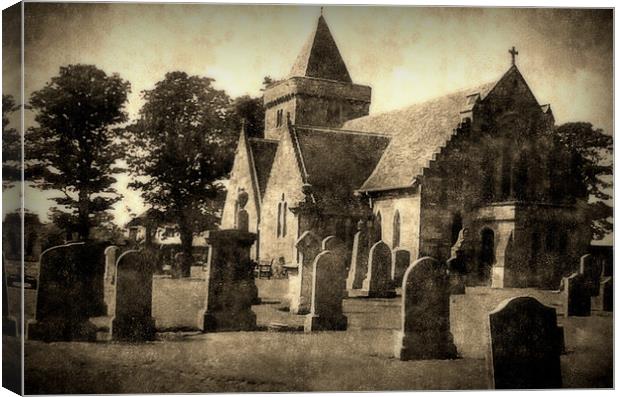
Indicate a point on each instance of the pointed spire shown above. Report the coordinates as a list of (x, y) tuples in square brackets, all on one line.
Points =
[(320, 57)]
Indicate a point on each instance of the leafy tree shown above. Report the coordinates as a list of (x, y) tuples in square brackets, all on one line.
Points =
[(251, 110), (593, 155), (75, 147), (11, 149), (179, 149)]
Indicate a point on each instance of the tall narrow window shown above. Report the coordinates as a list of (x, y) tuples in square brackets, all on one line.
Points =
[(396, 230), (506, 174), (376, 228), (279, 229), (284, 212), (488, 178), (521, 178)]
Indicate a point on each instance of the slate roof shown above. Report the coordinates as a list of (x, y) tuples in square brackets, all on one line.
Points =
[(263, 152), (418, 132), (320, 57), (336, 162)]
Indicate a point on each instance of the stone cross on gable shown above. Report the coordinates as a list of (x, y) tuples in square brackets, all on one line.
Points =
[(513, 52)]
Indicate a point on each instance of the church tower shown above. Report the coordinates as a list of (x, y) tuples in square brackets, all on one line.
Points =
[(317, 92)]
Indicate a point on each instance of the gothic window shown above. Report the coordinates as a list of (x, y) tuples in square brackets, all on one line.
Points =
[(457, 225), (279, 228), (506, 174), (376, 228), (396, 230), (521, 178), (488, 178), (279, 117), (284, 213)]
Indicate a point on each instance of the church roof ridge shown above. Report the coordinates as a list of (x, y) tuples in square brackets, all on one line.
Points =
[(320, 57), (341, 130)]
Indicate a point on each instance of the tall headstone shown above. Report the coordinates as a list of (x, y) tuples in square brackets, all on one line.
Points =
[(308, 246), (133, 318), (524, 351), (456, 276), (109, 278), (230, 282), (607, 294), (425, 332), (337, 246), (328, 288), (401, 259), (576, 295), (9, 324), (591, 270), (378, 282), (359, 258), (69, 292)]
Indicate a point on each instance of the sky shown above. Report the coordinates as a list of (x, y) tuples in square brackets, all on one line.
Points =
[(406, 54)]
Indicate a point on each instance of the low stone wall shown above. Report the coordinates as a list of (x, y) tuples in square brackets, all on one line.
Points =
[(177, 303), (469, 315)]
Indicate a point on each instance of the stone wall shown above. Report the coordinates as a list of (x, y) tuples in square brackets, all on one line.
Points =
[(178, 303), (284, 182), (408, 208), (469, 314)]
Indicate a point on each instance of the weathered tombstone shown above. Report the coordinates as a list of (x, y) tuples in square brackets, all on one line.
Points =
[(133, 318), (328, 288), (9, 324), (230, 282), (524, 348), (336, 246), (607, 294), (378, 281), (359, 258), (577, 296), (109, 278), (401, 259), (69, 292), (308, 246), (591, 270), (425, 332)]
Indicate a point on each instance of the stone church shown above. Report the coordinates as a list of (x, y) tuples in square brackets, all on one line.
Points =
[(478, 168)]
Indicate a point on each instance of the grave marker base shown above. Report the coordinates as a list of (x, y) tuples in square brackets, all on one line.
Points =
[(432, 346), (133, 328), (62, 330), (226, 321), (323, 323)]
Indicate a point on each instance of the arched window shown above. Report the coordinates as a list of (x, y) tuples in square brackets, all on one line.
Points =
[(279, 229), (376, 228), (284, 213), (506, 174), (396, 230), (488, 178), (457, 225), (521, 178)]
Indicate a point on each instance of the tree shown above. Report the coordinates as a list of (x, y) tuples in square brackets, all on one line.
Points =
[(593, 160), (75, 147), (11, 148), (180, 149), (251, 110)]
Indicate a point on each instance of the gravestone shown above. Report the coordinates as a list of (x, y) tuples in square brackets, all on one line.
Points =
[(524, 350), (607, 294), (359, 258), (69, 292), (401, 259), (133, 319), (308, 246), (336, 246), (109, 278), (591, 270), (576, 295), (425, 330), (328, 288), (230, 282), (9, 324), (378, 282)]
